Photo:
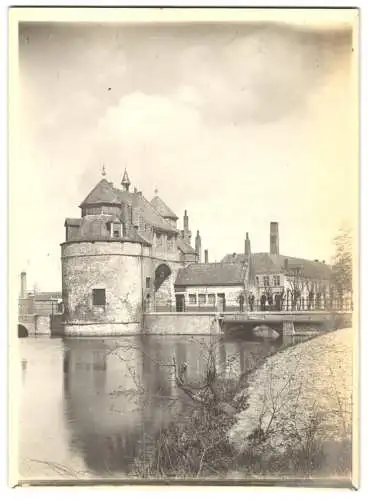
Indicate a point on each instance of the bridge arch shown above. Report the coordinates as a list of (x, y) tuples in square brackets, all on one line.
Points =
[(22, 331)]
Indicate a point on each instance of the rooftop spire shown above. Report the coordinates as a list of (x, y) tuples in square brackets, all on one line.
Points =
[(125, 182), (156, 191), (103, 171)]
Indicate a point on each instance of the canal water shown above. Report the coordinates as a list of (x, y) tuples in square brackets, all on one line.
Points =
[(89, 406)]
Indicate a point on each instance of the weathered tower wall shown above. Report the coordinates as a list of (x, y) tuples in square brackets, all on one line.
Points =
[(115, 267)]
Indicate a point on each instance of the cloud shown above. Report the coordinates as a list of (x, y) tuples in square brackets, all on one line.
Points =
[(238, 129), (260, 77)]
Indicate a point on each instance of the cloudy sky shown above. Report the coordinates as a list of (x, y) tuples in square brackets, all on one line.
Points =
[(240, 124)]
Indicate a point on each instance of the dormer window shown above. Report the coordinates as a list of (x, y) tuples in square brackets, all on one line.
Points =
[(116, 229), (159, 240)]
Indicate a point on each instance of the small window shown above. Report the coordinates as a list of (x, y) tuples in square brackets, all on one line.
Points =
[(276, 281), (99, 297), (192, 298), (201, 299), (148, 282), (266, 281), (257, 280), (158, 240), (116, 230), (211, 299)]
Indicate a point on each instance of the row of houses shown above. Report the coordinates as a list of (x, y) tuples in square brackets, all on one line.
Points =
[(258, 281)]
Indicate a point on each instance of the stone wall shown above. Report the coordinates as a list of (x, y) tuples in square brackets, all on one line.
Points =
[(42, 325), (113, 266), (181, 323), (102, 329)]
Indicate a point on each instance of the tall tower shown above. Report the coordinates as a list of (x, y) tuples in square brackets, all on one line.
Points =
[(274, 238), (198, 246)]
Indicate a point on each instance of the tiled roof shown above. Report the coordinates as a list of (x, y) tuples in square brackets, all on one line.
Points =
[(162, 209), (47, 296), (93, 228), (264, 262), (103, 192), (185, 247), (72, 222), (106, 193), (218, 273), (147, 211)]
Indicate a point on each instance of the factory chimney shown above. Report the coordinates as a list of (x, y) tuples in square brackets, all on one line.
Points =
[(274, 238), (247, 250), (23, 285), (206, 256), (198, 246)]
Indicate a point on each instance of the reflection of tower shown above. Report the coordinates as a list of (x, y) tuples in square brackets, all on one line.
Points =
[(102, 416), (24, 369)]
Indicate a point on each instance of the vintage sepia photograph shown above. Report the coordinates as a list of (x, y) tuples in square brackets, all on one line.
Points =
[(183, 246)]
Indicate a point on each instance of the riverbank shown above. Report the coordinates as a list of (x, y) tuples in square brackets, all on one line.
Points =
[(288, 417), (300, 399)]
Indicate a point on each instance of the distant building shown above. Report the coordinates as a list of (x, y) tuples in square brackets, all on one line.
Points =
[(212, 286), (37, 311), (41, 303), (282, 282)]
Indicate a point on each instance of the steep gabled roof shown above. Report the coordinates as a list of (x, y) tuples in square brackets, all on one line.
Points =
[(103, 192), (185, 247), (148, 213), (162, 209), (263, 262), (218, 273)]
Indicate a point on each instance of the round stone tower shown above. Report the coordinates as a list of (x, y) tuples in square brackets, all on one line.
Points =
[(102, 266)]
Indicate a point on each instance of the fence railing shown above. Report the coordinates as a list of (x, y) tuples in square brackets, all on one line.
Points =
[(257, 306)]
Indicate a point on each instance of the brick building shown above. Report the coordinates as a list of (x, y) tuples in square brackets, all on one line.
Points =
[(126, 256), (211, 286), (282, 282), (120, 258)]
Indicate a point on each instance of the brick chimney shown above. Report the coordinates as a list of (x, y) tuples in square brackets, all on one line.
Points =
[(206, 256), (127, 217), (274, 238), (187, 233), (23, 285), (198, 246), (247, 249)]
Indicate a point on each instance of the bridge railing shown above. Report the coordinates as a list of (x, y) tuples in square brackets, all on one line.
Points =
[(256, 307)]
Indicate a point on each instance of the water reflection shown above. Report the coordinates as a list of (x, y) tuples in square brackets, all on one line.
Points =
[(116, 394)]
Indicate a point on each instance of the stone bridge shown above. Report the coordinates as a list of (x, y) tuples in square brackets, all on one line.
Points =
[(285, 322), (39, 324)]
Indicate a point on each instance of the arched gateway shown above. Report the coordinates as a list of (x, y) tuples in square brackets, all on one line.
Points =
[(163, 288)]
